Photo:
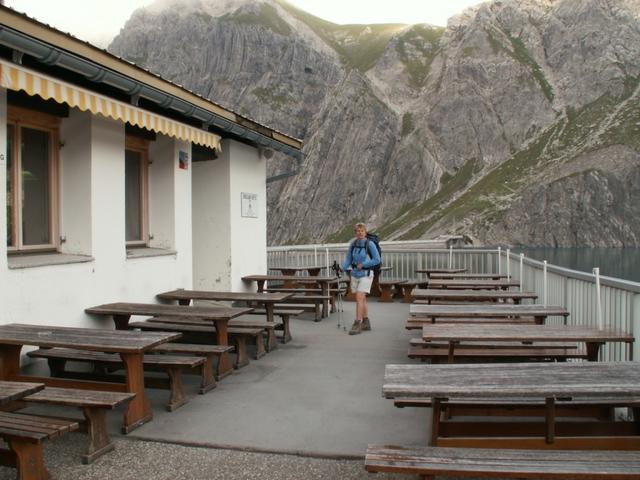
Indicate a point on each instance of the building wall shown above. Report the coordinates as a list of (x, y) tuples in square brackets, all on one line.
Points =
[(92, 218), (226, 245)]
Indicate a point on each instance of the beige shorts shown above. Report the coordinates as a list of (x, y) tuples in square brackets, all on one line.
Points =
[(362, 284)]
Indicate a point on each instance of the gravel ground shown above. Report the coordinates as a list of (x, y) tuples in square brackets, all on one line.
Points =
[(141, 460)]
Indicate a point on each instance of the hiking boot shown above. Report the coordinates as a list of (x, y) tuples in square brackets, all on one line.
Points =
[(366, 324), (356, 328)]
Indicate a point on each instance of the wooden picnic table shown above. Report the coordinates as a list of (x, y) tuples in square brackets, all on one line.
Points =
[(324, 281), (468, 276), (312, 270), (430, 271), (473, 284), (121, 313), (376, 291), (266, 299), (440, 294), (593, 338), (503, 310), (549, 382), (128, 344)]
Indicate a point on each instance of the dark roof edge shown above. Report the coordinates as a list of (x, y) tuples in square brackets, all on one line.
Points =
[(52, 47)]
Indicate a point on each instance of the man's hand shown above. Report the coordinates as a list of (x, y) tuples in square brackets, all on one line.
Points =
[(359, 266)]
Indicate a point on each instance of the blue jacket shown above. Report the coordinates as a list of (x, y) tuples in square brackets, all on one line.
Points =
[(360, 256)]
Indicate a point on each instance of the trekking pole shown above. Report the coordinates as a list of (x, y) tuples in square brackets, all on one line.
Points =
[(336, 269)]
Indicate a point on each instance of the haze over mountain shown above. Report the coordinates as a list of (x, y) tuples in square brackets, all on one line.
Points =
[(517, 124)]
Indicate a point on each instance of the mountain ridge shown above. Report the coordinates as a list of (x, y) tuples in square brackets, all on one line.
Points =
[(421, 130)]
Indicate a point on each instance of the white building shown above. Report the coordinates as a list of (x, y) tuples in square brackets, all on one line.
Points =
[(119, 185)]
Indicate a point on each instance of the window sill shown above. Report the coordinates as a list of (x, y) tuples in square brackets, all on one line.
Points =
[(33, 260), (148, 252)]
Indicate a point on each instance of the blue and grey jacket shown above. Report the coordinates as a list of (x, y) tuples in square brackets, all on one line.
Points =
[(360, 256)]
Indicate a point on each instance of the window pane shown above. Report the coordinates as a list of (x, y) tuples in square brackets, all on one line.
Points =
[(133, 195), (10, 189), (35, 187)]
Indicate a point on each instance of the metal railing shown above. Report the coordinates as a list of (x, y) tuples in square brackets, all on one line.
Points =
[(619, 300)]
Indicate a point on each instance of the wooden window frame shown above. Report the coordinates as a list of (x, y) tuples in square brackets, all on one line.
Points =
[(20, 118), (141, 146)]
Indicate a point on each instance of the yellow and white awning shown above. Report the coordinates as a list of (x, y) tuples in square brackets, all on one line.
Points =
[(16, 77)]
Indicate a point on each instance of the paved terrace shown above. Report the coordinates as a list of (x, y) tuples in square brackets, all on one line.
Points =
[(318, 397)]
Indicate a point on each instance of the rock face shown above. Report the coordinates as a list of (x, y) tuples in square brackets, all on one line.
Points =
[(517, 124)]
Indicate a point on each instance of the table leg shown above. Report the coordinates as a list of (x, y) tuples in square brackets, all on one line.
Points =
[(375, 285), (314, 272), (9, 361), (435, 421), (138, 410), (593, 348), (325, 301), (452, 347), (539, 320), (260, 284), (222, 336), (121, 321), (272, 342), (550, 420), (184, 301)]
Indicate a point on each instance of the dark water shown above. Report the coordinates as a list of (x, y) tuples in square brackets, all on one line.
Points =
[(613, 262)]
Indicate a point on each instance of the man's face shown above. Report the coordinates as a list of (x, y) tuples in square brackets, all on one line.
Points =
[(360, 233)]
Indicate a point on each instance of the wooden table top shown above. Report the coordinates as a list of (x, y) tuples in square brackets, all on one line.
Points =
[(495, 380), (444, 294), (473, 283), (525, 333), (295, 278), (493, 310), (468, 276), (181, 294), (155, 309), (297, 268), (118, 341), (11, 391), (440, 270)]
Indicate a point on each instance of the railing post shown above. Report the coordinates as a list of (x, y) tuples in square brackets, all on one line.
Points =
[(499, 259), (544, 283), (450, 256), (315, 255), (508, 264), (596, 272), (521, 274), (326, 256)]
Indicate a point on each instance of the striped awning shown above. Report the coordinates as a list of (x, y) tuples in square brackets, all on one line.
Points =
[(16, 77)]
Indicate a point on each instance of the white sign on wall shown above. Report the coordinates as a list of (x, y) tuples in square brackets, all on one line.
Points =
[(249, 205)]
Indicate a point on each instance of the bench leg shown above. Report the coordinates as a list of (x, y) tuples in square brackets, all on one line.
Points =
[(99, 441), (208, 376), (385, 295), (333, 304), (242, 359), (286, 332), (272, 341), (29, 460), (260, 351), (177, 397), (318, 312), (406, 297)]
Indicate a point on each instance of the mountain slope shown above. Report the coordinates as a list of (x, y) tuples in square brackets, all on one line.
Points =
[(512, 125)]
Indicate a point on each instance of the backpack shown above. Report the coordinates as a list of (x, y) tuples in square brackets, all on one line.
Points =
[(371, 237)]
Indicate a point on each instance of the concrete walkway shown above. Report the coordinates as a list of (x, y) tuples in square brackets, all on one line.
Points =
[(317, 396)]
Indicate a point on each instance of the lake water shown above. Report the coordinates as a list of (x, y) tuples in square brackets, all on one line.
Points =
[(613, 262)]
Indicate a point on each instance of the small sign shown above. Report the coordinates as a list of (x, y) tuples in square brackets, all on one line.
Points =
[(183, 160), (249, 205)]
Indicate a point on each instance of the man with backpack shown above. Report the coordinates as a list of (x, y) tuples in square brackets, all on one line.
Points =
[(362, 258)]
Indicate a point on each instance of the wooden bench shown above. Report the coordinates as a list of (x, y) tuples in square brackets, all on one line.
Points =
[(284, 315), (520, 353), (25, 434), (94, 405), (596, 407), (267, 327), (408, 286), (210, 371), (416, 323), (173, 365), (206, 334), (297, 304), (386, 286), (503, 463)]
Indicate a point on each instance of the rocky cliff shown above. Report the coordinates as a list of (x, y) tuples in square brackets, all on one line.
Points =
[(517, 124)]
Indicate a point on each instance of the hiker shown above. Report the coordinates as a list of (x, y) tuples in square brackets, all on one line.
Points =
[(361, 257)]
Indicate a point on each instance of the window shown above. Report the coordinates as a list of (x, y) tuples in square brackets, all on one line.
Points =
[(32, 140), (136, 191)]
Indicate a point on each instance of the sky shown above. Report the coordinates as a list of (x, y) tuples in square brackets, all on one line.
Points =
[(99, 21)]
